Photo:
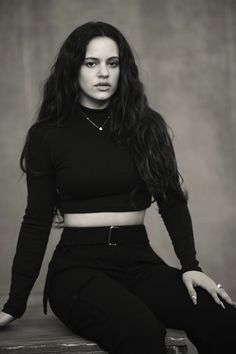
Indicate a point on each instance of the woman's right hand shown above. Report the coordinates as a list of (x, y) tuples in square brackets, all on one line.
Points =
[(5, 319)]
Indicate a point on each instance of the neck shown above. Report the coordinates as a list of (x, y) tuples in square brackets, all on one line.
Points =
[(94, 105)]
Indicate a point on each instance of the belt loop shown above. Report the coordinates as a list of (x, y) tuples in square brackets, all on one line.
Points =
[(109, 236)]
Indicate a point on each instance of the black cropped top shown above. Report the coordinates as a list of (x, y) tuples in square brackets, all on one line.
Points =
[(92, 173), (83, 171)]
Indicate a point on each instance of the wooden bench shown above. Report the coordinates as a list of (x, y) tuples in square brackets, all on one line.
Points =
[(39, 333)]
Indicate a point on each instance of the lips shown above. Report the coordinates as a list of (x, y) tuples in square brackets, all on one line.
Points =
[(103, 84)]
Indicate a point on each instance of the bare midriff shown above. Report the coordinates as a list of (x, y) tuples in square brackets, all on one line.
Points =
[(104, 218)]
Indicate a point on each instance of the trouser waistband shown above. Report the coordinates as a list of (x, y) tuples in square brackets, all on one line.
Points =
[(112, 235)]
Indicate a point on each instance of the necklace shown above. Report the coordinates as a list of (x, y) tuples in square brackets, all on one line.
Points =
[(98, 127)]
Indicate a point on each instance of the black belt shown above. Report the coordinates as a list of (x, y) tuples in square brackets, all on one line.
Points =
[(107, 235)]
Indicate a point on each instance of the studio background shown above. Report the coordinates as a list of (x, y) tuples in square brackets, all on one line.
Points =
[(185, 50)]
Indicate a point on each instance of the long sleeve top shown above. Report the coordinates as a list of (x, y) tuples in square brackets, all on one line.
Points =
[(83, 170)]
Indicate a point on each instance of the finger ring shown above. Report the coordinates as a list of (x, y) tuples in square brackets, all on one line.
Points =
[(219, 286), (194, 296)]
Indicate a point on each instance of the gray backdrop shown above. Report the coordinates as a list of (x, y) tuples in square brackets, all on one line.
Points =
[(186, 52)]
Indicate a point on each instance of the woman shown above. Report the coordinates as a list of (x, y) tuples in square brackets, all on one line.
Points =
[(96, 156)]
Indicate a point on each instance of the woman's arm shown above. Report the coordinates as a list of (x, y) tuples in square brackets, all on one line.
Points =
[(177, 219), (36, 224)]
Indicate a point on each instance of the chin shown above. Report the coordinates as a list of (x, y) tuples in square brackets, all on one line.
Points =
[(102, 97)]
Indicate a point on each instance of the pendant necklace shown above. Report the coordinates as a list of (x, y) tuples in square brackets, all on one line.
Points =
[(98, 127)]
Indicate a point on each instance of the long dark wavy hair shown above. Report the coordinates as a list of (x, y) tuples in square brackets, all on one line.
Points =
[(132, 121)]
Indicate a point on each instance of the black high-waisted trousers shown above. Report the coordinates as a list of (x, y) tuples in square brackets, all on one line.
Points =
[(108, 285)]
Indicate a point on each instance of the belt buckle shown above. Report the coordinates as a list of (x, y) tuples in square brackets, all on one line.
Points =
[(109, 236)]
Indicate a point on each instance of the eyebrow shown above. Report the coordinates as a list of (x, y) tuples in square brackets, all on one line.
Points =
[(114, 57)]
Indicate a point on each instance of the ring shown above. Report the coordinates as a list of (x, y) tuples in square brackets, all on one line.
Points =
[(194, 296), (219, 286)]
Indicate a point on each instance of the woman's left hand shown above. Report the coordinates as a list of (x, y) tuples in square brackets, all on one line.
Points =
[(194, 278)]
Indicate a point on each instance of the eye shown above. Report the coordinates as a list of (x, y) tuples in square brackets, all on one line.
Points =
[(90, 64), (114, 63)]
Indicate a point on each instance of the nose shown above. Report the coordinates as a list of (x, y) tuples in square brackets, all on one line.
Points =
[(103, 71)]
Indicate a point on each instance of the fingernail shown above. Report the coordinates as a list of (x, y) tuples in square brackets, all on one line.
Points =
[(194, 299), (221, 303)]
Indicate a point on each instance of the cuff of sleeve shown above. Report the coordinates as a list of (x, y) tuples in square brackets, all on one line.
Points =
[(15, 311), (191, 267)]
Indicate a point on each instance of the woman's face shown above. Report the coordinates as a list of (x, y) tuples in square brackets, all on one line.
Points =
[(99, 73)]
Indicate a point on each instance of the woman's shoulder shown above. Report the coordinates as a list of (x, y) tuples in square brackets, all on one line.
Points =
[(42, 133), (151, 112), (154, 118), (38, 130), (46, 139), (39, 138)]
